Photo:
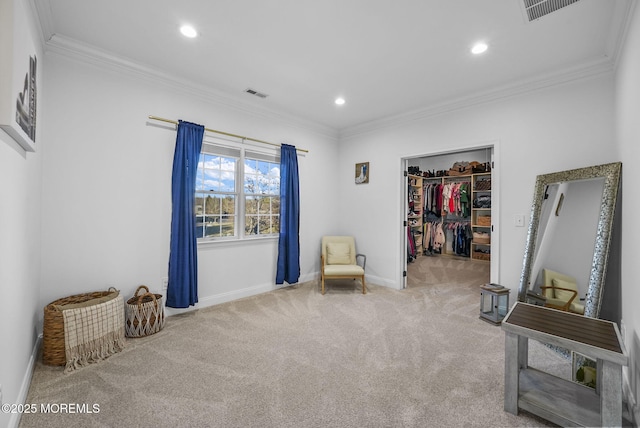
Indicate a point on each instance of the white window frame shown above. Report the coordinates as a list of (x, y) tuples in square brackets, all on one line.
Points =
[(216, 148)]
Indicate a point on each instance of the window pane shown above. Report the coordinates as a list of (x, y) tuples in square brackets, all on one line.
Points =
[(200, 173), (275, 223), (228, 225), (250, 184), (216, 173), (199, 227), (263, 184), (228, 205), (251, 205), (199, 205), (227, 164), (264, 225), (210, 167), (211, 179), (261, 177), (263, 167), (251, 224), (212, 204), (227, 181), (264, 205), (211, 226), (250, 166), (274, 186), (210, 161)]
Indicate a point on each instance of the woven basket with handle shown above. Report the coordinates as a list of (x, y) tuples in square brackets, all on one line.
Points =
[(144, 313)]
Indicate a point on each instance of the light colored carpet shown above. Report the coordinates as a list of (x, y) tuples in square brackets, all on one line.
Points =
[(419, 357)]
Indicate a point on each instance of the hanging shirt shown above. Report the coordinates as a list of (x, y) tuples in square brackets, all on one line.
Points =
[(439, 239)]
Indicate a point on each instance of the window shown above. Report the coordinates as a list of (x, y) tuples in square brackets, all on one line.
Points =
[(237, 193), (262, 197)]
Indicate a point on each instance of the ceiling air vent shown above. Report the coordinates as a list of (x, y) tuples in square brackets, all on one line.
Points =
[(536, 9), (256, 93)]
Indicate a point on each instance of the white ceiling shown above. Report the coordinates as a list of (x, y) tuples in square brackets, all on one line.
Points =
[(386, 58)]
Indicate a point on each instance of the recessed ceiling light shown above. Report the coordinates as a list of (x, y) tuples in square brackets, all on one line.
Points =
[(188, 31), (339, 101), (479, 48)]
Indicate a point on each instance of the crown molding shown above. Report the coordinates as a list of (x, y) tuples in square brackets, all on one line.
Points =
[(41, 11), (88, 54), (569, 75), (622, 18)]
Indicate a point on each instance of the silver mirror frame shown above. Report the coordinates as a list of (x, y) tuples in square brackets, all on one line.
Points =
[(611, 174)]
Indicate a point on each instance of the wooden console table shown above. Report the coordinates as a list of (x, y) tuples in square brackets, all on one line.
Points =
[(558, 400)]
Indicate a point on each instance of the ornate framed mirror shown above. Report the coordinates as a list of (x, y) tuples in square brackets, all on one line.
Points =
[(570, 233)]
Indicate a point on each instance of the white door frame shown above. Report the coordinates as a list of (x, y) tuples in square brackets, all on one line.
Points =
[(495, 204)]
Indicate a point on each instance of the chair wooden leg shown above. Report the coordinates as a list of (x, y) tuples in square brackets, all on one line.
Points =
[(364, 287), (322, 280)]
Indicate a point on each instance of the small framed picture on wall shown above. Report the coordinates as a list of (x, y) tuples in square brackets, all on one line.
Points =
[(20, 77), (362, 173)]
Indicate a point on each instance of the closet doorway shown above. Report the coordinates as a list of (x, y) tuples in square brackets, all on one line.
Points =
[(450, 213)]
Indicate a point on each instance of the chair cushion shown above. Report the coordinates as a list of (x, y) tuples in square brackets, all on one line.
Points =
[(561, 294), (338, 253), (578, 308), (555, 302), (343, 270)]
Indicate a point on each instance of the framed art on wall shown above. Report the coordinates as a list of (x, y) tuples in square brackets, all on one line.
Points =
[(362, 173), (19, 75)]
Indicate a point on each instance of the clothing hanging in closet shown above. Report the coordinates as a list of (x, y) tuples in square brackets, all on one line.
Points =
[(433, 237), (462, 237)]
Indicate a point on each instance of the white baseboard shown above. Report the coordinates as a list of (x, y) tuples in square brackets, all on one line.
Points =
[(389, 283), (229, 296), (14, 421), (205, 302)]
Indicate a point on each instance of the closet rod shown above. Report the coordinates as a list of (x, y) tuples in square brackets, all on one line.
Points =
[(161, 119)]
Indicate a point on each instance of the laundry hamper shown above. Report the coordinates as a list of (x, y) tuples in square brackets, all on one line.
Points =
[(144, 313), (53, 337)]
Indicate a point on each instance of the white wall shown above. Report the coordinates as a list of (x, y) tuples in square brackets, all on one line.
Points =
[(20, 191), (628, 139), (559, 128), (107, 185)]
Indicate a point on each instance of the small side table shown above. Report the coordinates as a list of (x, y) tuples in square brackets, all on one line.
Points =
[(561, 401), (494, 303)]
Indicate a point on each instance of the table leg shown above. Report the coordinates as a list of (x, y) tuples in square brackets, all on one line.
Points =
[(610, 383), (512, 346)]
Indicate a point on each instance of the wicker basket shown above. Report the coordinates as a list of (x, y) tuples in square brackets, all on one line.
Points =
[(144, 313), (53, 344), (481, 238), (483, 220), (481, 256)]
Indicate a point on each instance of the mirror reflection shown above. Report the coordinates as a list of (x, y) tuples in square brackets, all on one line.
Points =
[(568, 240), (565, 243)]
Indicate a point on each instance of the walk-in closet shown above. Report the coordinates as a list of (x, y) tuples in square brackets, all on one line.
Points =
[(448, 217)]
